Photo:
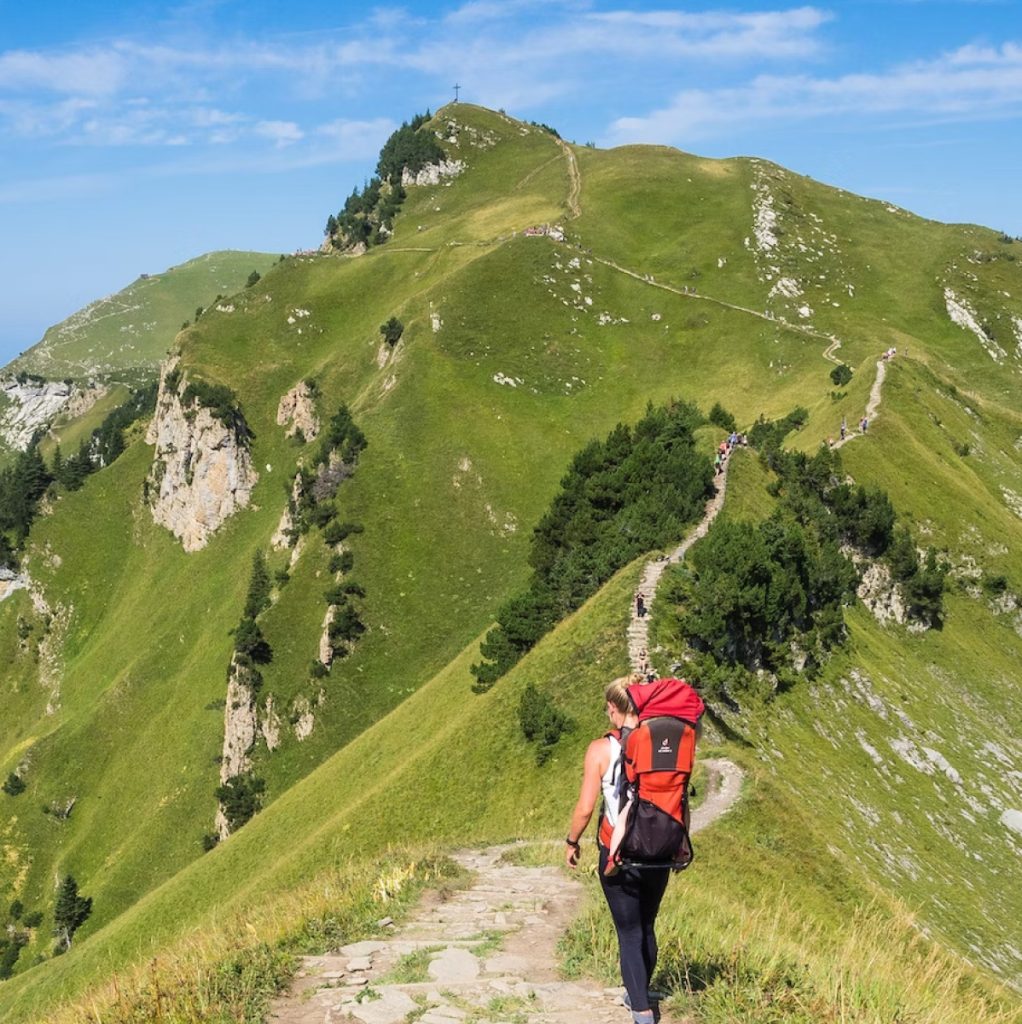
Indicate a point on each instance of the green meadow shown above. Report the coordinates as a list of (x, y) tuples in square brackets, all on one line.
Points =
[(863, 875)]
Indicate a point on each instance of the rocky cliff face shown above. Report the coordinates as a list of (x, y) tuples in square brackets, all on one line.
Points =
[(202, 470), (241, 727), (31, 405), (432, 174), (298, 409)]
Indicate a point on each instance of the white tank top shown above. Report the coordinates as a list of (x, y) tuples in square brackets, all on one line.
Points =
[(609, 782)]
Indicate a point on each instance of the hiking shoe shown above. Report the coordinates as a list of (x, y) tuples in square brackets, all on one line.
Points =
[(643, 1017), (652, 995)]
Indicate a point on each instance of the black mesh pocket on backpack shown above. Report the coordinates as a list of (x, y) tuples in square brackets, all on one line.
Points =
[(654, 837)]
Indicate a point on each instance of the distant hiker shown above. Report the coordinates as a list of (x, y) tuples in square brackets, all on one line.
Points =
[(865, 424), (640, 605), (844, 427), (633, 894), (718, 464)]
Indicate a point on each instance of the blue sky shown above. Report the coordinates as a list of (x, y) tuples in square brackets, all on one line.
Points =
[(134, 136)]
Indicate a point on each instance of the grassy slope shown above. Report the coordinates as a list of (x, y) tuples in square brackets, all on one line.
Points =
[(129, 332), (439, 552), (770, 898), (904, 749)]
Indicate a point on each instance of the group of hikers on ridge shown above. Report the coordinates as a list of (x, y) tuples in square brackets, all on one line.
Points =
[(641, 768), (725, 448)]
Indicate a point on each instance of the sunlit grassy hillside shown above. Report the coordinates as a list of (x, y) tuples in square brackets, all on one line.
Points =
[(706, 280), (127, 334)]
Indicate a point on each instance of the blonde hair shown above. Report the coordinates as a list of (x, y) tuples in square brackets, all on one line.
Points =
[(617, 692)]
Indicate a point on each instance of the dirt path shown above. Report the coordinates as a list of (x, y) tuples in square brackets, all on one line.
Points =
[(828, 352), (872, 406), (691, 293), (575, 179), (638, 627), (487, 954)]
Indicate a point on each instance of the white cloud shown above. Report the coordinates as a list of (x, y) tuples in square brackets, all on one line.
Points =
[(94, 72), (356, 140), (282, 133), (966, 83)]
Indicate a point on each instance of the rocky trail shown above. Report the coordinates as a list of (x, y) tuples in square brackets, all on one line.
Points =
[(486, 955), (872, 406), (638, 627)]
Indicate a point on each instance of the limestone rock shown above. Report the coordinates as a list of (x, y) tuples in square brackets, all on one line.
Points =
[(880, 594), (298, 409), (432, 174), (83, 399), (269, 725), (11, 581), (326, 650), (240, 724), (283, 536), (454, 965), (29, 407), (305, 719), (202, 470)]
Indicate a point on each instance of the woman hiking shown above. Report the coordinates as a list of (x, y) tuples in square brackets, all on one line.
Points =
[(632, 895)]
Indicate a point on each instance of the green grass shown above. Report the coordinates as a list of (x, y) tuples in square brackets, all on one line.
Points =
[(458, 469), (128, 333)]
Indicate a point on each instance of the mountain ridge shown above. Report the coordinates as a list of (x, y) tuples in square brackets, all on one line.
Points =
[(503, 371)]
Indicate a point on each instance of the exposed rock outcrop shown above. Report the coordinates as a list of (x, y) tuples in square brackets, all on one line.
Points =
[(10, 581), (432, 174), (881, 595), (83, 399), (326, 648), (298, 408), (241, 726), (202, 470), (34, 403), (304, 718), (284, 536), (269, 725), (31, 407), (241, 723)]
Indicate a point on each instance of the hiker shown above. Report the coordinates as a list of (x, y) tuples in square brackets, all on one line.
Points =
[(844, 427), (634, 888), (640, 606), (633, 897)]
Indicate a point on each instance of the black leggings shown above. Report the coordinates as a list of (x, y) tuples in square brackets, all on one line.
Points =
[(634, 899)]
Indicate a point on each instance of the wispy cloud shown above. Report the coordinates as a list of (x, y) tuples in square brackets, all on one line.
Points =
[(92, 72), (966, 83), (512, 55), (281, 133)]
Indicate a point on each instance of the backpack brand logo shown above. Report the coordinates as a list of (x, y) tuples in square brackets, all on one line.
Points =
[(665, 743)]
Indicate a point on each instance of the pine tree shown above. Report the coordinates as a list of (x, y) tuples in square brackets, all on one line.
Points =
[(259, 587), (70, 913)]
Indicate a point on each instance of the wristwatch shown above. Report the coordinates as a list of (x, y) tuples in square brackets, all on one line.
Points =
[(573, 843)]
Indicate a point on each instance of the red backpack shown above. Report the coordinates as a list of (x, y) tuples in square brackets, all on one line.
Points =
[(658, 756)]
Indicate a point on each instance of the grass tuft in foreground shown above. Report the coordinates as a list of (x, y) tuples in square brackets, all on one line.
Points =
[(230, 973)]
